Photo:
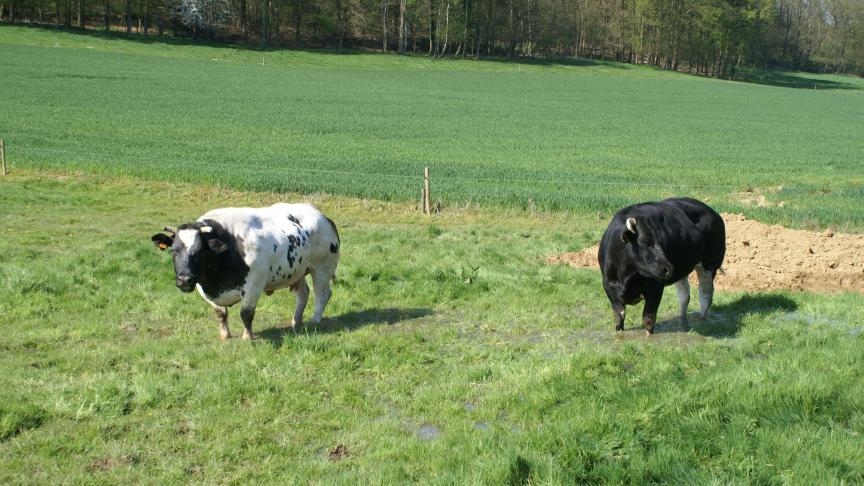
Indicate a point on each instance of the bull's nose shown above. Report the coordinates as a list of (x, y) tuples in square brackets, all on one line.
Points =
[(667, 271), (184, 281)]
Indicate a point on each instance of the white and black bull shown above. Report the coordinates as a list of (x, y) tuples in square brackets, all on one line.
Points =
[(651, 245), (233, 255)]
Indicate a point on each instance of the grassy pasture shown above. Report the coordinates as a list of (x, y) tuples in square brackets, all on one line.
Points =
[(451, 354), (557, 134)]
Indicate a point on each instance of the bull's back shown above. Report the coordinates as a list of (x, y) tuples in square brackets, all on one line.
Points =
[(260, 228)]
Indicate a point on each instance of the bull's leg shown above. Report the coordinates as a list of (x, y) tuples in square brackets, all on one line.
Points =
[(619, 312), (682, 289), (222, 315), (247, 314), (618, 308), (301, 290), (321, 287), (247, 309), (653, 294), (706, 290)]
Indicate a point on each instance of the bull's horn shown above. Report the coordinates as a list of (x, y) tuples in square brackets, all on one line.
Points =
[(206, 229), (631, 225), (169, 229)]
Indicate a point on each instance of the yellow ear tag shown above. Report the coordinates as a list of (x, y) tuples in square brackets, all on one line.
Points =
[(162, 246)]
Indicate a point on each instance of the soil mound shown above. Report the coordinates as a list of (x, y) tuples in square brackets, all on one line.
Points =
[(766, 257)]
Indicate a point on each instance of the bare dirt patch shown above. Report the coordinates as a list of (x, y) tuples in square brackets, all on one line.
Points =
[(338, 453), (771, 257)]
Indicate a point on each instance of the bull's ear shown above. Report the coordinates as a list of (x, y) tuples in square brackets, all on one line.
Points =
[(630, 233), (217, 245), (162, 241)]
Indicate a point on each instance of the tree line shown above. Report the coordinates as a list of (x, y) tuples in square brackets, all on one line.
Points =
[(710, 37)]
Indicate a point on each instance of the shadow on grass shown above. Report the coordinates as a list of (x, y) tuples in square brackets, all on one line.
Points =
[(239, 44), (346, 322), (786, 79), (726, 319), (554, 61), (174, 40)]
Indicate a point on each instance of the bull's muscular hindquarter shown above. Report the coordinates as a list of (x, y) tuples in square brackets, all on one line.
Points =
[(651, 245)]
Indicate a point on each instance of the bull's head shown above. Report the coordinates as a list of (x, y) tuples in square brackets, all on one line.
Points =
[(191, 246), (645, 251)]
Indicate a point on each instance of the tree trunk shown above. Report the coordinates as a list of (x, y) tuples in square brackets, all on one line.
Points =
[(465, 29), (264, 24), (243, 19), (384, 28), (402, 40), (431, 26), (340, 21), (80, 15), (107, 13), (128, 17), (446, 28), (298, 21)]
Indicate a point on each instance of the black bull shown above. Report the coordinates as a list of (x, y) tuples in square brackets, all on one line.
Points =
[(651, 245)]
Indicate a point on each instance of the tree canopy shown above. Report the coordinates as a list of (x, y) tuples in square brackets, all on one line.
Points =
[(711, 37)]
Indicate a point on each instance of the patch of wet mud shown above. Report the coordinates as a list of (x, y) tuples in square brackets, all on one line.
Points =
[(771, 257), (559, 341), (428, 432), (797, 316)]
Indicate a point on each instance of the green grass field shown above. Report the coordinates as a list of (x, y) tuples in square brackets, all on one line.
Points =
[(451, 354), (567, 134)]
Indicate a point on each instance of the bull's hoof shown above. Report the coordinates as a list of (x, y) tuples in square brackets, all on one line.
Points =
[(619, 328), (248, 336), (224, 336), (648, 333)]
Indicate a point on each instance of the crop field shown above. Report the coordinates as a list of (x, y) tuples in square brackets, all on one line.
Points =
[(583, 135), (451, 352)]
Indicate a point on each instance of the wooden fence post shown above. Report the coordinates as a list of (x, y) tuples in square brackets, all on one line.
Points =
[(427, 207), (3, 156)]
